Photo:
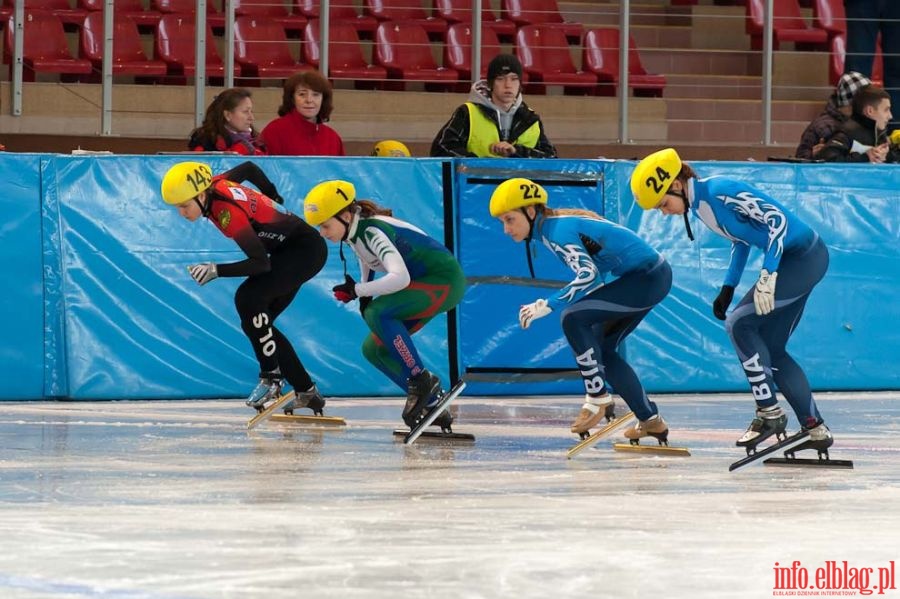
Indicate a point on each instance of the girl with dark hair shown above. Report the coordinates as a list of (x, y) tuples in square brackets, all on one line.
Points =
[(228, 126), (300, 128)]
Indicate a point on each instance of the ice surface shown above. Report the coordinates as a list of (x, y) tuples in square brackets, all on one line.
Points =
[(166, 500)]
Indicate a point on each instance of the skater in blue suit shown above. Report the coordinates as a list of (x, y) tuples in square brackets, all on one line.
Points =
[(596, 314), (794, 261)]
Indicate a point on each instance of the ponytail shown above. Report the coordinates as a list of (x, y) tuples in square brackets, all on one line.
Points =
[(369, 208)]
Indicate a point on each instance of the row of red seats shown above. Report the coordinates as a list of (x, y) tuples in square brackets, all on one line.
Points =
[(514, 13), (402, 52)]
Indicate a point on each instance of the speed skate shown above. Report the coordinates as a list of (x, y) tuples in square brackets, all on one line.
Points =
[(605, 431), (442, 405), (269, 414)]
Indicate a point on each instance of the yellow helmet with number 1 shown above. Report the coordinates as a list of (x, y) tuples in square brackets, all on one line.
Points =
[(516, 193), (653, 176), (327, 199), (185, 181)]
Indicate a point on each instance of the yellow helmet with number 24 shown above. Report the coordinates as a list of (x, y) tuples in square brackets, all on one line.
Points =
[(653, 176), (516, 193)]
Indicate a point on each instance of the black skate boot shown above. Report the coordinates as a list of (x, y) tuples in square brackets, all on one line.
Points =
[(819, 439), (768, 422), (267, 389), (423, 391), (311, 398)]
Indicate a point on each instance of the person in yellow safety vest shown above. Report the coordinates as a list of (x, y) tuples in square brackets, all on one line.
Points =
[(495, 122)]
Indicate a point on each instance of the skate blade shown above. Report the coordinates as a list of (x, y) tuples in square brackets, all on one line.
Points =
[(299, 419), (600, 434), (784, 445), (665, 450), (270, 409), (810, 463), (438, 435), (439, 409)]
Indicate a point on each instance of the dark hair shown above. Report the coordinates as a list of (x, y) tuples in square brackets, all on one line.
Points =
[(369, 208), (686, 173), (870, 95), (213, 125), (315, 81)]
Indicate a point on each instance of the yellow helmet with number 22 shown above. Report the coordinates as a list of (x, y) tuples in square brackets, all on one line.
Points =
[(653, 176), (516, 193), (327, 199), (185, 181)]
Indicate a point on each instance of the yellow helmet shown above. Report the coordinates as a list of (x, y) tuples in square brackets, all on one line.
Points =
[(391, 148), (185, 181), (516, 193), (327, 199), (653, 176)]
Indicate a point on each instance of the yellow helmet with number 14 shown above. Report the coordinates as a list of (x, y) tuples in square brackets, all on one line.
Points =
[(185, 181), (653, 176), (516, 193)]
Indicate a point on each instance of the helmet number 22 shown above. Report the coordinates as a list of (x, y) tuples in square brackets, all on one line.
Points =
[(657, 182), (530, 191)]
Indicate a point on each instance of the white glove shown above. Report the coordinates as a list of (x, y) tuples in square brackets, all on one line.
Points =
[(764, 293), (203, 273), (530, 312)]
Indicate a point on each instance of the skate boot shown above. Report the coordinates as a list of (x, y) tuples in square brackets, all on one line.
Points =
[(768, 422), (654, 427), (268, 388), (311, 398), (594, 409), (423, 392), (819, 439)]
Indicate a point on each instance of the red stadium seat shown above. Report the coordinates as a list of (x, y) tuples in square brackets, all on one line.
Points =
[(128, 8), (601, 57), (460, 11), (261, 48), (458, 49), (187, 7), (545, 57), (788, 26), (404, 10), (270, 9), (345, 57), (128, 54), (45, 49), (402, 48), (60, 8), (175, 35), (339, 11), (539, 12), (830, 16)]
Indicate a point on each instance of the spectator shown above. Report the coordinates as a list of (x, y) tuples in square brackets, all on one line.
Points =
[(300, 130), (863, 137), (837, 111), (228, 125), (495, 122), (391, 148), (865, 20)]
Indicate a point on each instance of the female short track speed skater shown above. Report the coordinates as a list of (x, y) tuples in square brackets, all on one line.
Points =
[(760, 325), (421, 280), (283, 252), (596, 316)]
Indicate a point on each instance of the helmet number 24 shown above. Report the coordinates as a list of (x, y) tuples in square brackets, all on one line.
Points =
[(657, 182)]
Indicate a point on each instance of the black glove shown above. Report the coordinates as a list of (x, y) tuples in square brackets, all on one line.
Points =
[(346, 291), (722, 301), (364, 302)]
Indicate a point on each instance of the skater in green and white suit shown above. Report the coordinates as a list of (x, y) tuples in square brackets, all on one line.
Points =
[(421, 280)]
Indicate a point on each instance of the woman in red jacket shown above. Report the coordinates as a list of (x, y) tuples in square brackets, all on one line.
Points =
[(300, 128), (228, 126)]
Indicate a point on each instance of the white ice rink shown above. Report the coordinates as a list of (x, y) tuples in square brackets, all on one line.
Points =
[(166, 500)]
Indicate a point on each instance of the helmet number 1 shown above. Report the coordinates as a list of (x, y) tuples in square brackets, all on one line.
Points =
[(530, 191), (200, 178), (657, 182)]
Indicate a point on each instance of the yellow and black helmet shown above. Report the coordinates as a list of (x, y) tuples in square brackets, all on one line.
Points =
[(391, 148), (185, 181), (516, 193), (653, 176), (327, 199)]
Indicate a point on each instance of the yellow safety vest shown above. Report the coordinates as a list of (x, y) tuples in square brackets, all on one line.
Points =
[(483, 133)]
